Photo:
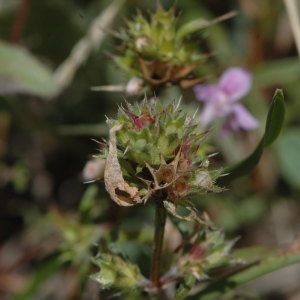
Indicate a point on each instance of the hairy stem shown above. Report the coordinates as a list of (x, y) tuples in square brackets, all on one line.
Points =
[(160, 221)]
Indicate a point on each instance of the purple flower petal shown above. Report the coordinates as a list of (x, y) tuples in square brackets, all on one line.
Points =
[(205, 92), (238, 120), (235, 82), (220, 101), (208, 115), (217, 107), (245, 120)]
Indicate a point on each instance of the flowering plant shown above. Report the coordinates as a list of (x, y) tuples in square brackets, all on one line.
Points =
[(155, 213), (158, 155)]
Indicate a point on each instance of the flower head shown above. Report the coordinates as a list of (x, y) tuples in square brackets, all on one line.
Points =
[(220, 101), (155, 52), (156, 149), (208, 250)]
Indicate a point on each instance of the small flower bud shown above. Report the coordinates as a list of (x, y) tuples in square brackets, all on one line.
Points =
[(141, 42), (93, 169), (134, 86), (197, 251), (142, 120)]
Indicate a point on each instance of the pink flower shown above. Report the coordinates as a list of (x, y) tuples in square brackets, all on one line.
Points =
[(220, 101)]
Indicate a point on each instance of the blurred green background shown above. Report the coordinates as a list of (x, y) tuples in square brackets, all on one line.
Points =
[(50, 221)]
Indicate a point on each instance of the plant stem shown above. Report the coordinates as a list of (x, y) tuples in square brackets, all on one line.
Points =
[(19, 21), (160, 221)]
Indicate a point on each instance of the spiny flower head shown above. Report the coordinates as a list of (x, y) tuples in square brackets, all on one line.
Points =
[(156, 149), (158, 51), (207, 251)]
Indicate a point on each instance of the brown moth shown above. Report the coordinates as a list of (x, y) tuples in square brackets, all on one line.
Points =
[(119, 190)]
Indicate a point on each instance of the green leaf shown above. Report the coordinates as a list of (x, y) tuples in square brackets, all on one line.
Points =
[(275, 118), (199, 24), (252, 254), (268, 265), (191, 27), (273, 127), (288, 149), (20, 72)]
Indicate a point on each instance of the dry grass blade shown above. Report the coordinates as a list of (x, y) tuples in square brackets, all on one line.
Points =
[(292, 8), (91, 41)]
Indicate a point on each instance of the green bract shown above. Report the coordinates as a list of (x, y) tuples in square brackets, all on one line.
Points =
[(116, 272)]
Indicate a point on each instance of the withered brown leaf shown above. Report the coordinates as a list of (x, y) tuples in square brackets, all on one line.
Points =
[(119, 190)]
